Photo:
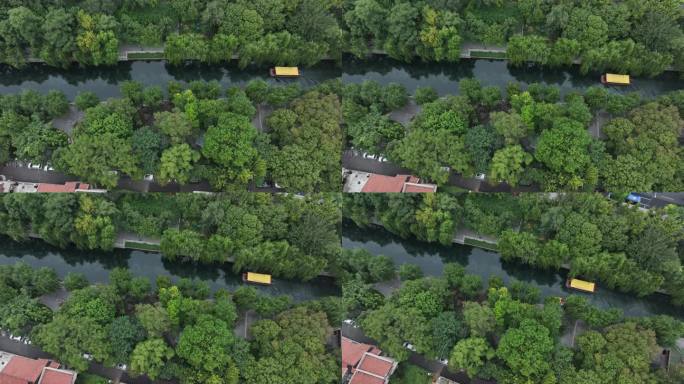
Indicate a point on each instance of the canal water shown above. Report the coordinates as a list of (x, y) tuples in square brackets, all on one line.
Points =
[(97, 265), (432, 257), (444, 77), (104, 81)]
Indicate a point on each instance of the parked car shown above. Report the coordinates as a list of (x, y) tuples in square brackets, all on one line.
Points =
[(149, 177), (444, 361), (480, 176), (88, 356), (350, 322), (409, 346), (277, 185), (48, 167), (122, 366)]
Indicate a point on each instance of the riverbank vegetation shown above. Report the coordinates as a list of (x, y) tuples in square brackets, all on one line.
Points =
[(287, 236), (615, 244), (174, 332), (604, 36), (96, 32), (230, 138), (595, 140), (507, 334)]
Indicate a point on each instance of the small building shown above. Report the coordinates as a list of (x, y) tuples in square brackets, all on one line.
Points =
[(68, 187), (375, 183), (363, 364), (15, 369)]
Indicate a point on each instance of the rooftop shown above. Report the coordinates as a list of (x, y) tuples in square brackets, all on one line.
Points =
[(352, 352), (23, 368), (57, 376)]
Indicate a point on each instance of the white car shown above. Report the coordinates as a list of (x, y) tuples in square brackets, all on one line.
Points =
[(382, 159), (122, 366), (409, 346), (444, 361), (48, 168), (35, 166), (15, 338), (348, 321), (369, 156), (277, 185), (88, 356), (149, 177), (480, 176)]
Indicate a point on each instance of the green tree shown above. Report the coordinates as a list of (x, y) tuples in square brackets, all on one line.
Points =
[(526, 349), (150, 357), (470, 355), (479, 318), (177, 163), (508, 164), (74, 281)]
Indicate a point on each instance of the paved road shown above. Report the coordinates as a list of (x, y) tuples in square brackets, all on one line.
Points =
[(34, 352), (433, 366), (352, 161)]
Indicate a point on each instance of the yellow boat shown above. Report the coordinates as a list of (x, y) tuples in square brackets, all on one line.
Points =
[(285, 72), (256, 278), (611, 78), (580, 285)]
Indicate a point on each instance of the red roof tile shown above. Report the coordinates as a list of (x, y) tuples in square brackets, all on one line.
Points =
[(53, 376), (352, 351), (376, 365), (365, 378), (387, 184), (7, 379), (24, 368), (419, 188)]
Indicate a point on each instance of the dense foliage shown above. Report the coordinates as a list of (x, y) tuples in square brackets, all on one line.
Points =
[(524, 136), (279, 234), (619, 246), (497, 334), (92, 32), (636, 37), (173, 332), (197, 133)]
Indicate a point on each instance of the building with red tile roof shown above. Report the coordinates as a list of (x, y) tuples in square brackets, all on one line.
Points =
[(68, 187), (362, 363), (396, 184), (23, 370), (57, 376)]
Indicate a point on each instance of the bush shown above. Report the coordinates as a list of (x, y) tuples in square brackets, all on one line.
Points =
[(425, 95), (74, 281), (410, 272), (85, 100)]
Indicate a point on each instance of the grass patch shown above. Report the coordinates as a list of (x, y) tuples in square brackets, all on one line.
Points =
[(141, 246), (487, 55), (146, 55), (87, 378), (410, 374), (480, 244)]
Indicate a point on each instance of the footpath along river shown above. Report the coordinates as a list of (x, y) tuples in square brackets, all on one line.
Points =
[(96, 266), (432, 257)]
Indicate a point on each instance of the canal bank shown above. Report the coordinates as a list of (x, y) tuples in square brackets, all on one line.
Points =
[(96, 265), (432, 257)]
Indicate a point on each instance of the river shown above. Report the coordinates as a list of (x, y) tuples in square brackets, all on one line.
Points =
[(432, 257), (104, 81), (97, 264), (444, 77)]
